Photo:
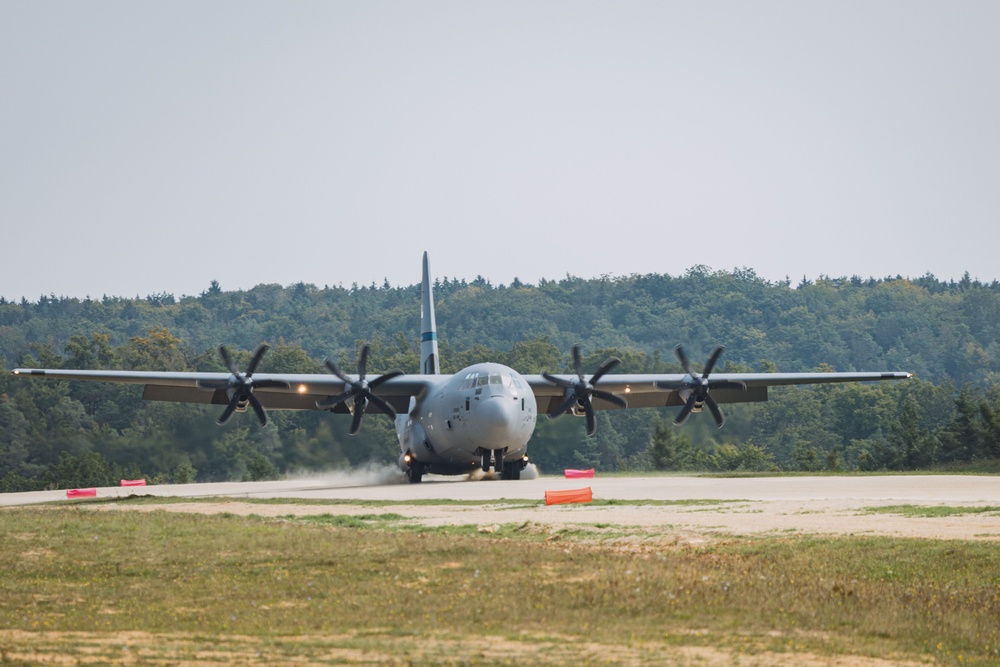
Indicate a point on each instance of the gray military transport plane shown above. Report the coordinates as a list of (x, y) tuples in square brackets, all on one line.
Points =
[(478, 418)]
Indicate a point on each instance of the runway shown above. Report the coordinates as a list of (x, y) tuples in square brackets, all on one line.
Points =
[(387, 485), (684, 504)]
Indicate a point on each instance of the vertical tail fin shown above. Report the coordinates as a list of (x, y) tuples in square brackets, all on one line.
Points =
[(428, 328)]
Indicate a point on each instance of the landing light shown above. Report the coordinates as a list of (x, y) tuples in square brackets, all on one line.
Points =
[(628, 389), (302, 389)]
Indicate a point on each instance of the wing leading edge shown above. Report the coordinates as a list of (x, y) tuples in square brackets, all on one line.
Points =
[(290, 391), (641, 391), (559, 394), (638, 390)]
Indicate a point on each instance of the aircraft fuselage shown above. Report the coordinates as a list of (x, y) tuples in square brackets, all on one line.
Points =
[(482, 414)]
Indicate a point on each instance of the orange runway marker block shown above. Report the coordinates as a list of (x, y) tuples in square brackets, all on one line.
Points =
[(133, 482), (81, 493), (584, 495), (570, 473)]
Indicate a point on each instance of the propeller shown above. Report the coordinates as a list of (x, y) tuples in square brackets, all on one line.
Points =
[(582, 390), (241, 385), (700, 385), (360, 391)]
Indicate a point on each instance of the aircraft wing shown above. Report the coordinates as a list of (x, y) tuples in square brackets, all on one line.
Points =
[(300, 393), (641, 391), (303, 390)]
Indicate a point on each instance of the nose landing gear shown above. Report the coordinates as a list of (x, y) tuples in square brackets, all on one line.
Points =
[(494, 456), (507, 469)]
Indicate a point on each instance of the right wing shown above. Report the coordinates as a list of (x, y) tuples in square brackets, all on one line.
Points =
[(298, 391)]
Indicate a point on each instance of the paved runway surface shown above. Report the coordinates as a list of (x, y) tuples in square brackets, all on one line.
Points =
[(387, 485), (760, 505)]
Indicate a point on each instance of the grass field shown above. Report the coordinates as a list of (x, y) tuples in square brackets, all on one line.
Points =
[(85, 587)]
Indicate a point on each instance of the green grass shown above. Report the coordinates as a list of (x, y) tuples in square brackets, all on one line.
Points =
[(931, 510), (983, 467), (376, 588)]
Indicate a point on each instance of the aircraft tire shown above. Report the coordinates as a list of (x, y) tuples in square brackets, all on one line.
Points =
[(415, 473), (512, 470)]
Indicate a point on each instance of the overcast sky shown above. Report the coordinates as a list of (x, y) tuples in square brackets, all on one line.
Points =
[(154, 147)]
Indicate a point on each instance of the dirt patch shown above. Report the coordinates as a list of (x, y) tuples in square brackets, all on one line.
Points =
[(760, 517), (372, 648)]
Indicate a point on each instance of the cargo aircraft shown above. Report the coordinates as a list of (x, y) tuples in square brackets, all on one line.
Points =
[(479, 418)]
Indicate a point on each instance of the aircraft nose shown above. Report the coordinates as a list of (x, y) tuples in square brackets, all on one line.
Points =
[(496, 418)]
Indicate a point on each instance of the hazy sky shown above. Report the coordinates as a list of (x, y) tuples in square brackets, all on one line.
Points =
[(150, 147)]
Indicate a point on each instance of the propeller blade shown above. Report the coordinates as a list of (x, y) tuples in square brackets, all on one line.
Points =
[(258, 408), (363, 362), (560, 382), (699, 386), (333, 401), (583, 390), (714, 357), (607, 366), (228, 360), (384, 377), (228, 412), (611, 398), (361, 390), (241, 384), (564, 408), (685, 364), (359, 412), (257, 356), (383, 405), (716, 412), (333, 368), (577, 362), (685, 411)]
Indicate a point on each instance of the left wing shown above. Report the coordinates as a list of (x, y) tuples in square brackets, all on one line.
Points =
[(558, 394), (641, 391)]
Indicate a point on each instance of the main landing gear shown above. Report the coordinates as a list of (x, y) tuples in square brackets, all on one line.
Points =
[(414, 469), (508, 469), (512, 469), (415, 472)]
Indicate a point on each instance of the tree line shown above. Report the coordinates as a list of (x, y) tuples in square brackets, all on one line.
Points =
[(53, 433)]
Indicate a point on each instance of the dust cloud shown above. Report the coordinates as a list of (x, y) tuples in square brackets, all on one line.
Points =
[(384, 475)]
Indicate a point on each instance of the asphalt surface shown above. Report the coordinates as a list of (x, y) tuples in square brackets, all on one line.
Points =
[(390, 486)]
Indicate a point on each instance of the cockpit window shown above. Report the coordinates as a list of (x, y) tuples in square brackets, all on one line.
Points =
[(502, 379)]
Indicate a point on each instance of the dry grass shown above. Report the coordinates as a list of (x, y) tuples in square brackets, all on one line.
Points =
[(164, 588)]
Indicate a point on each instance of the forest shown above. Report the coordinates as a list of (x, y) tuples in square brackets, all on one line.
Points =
[(56, 434)]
